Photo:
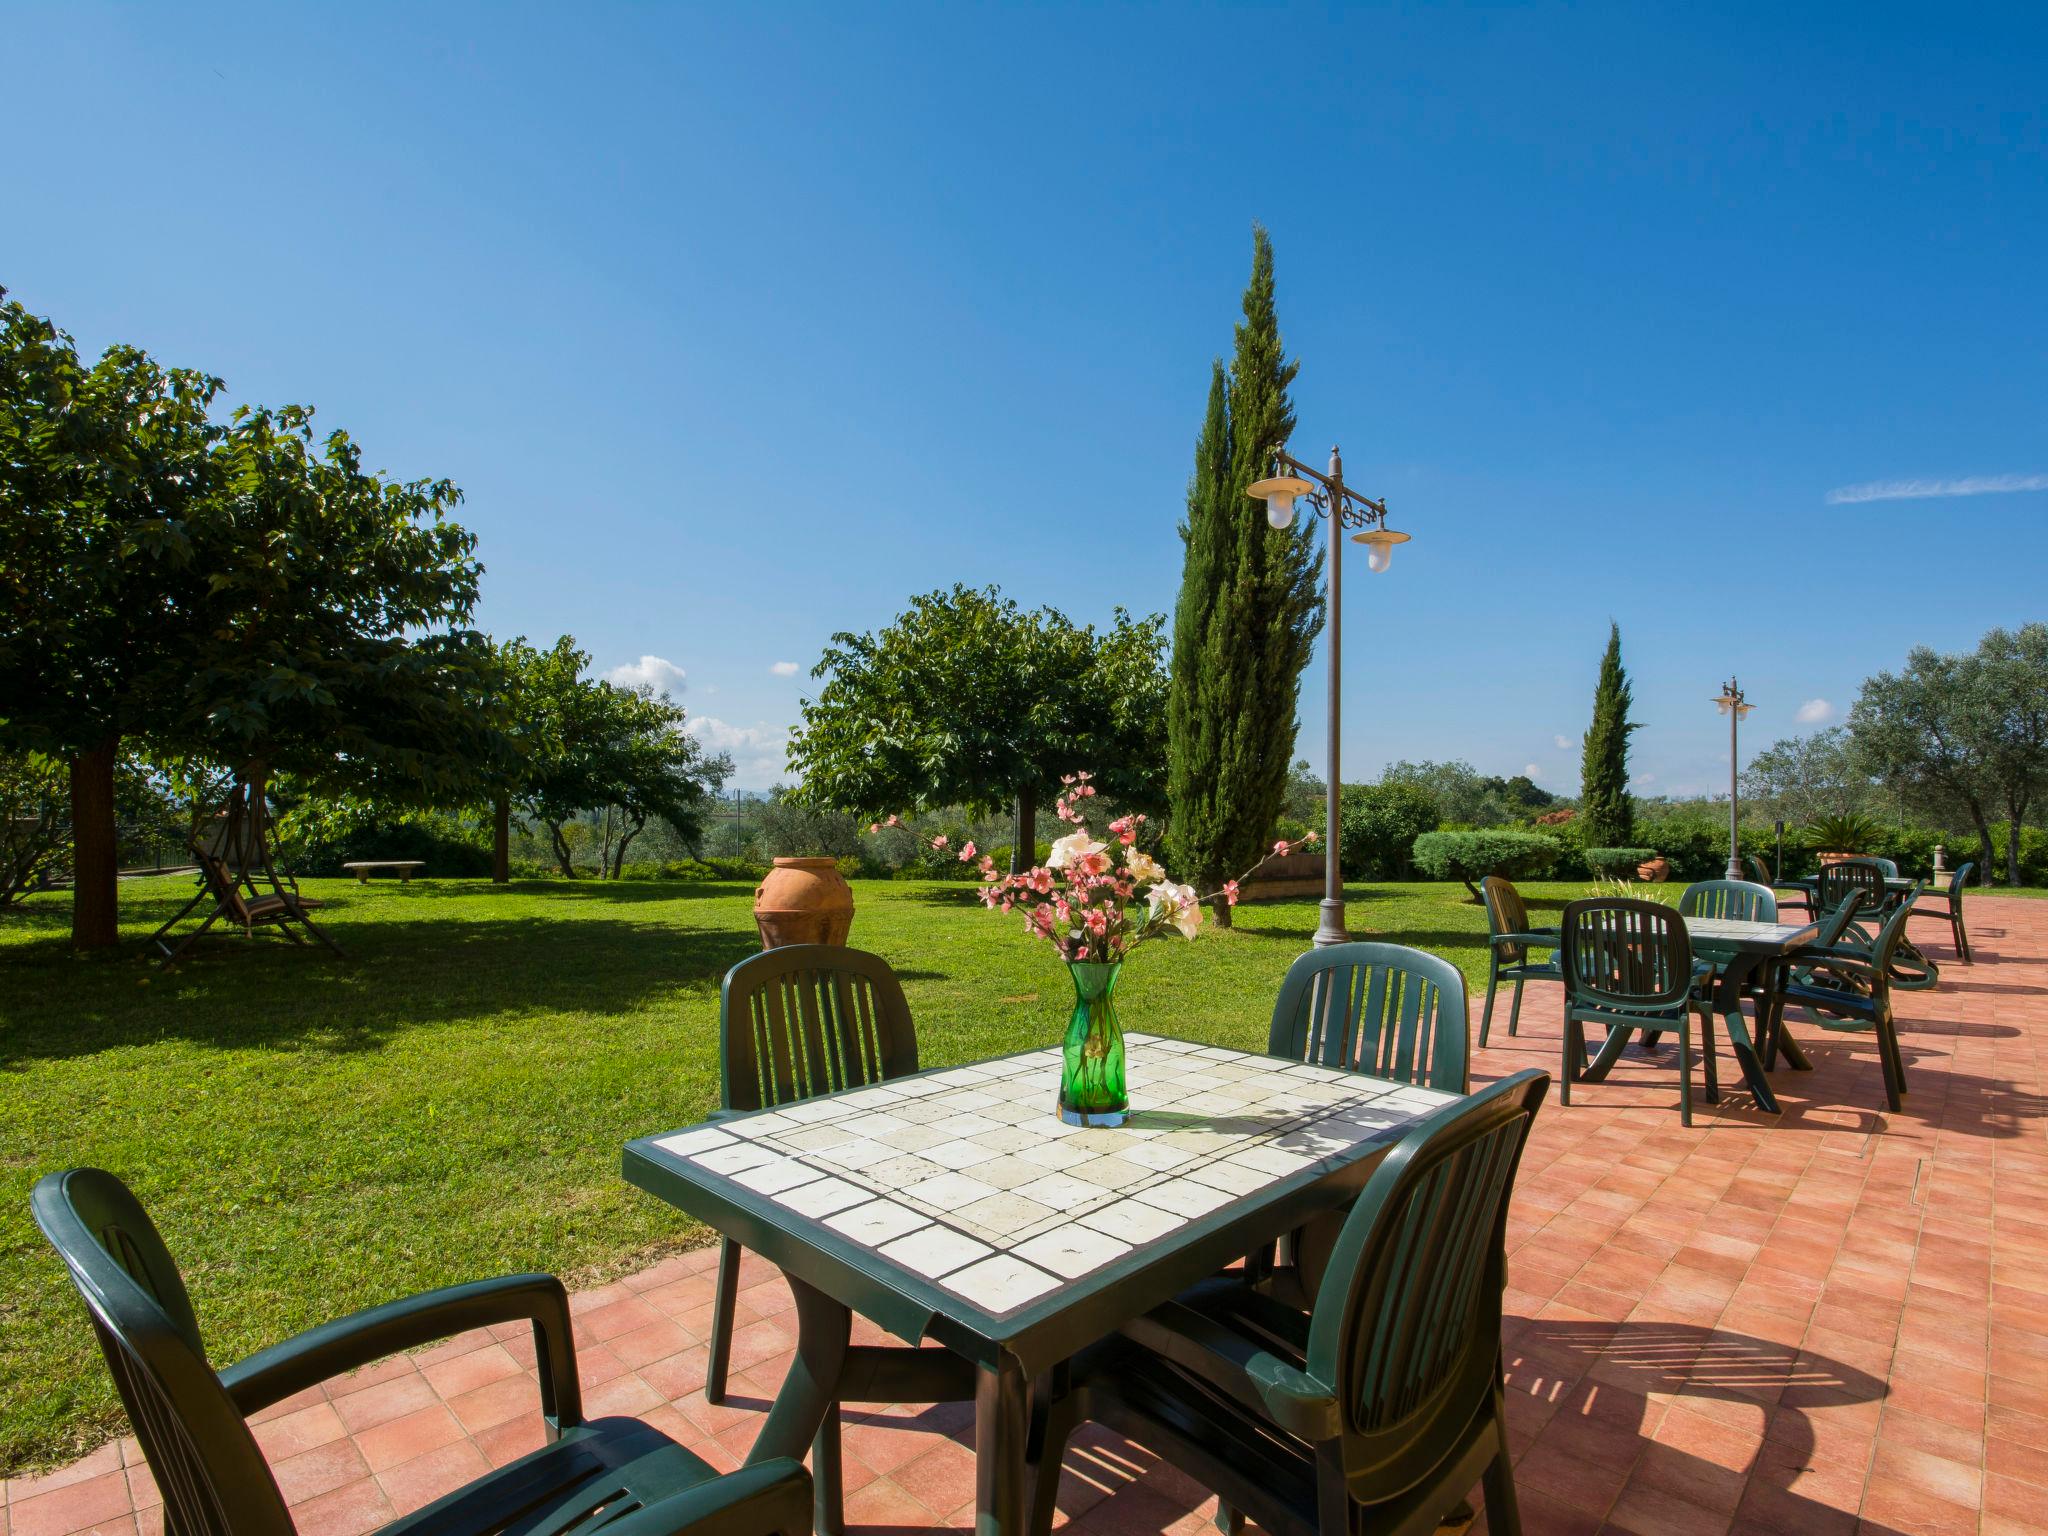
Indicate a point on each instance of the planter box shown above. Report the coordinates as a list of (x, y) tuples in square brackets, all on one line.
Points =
[(1289, 877)]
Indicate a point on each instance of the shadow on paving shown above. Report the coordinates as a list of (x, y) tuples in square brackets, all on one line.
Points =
[(237, 992), (1588, 1385)]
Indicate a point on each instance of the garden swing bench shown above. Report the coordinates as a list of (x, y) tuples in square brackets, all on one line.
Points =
[(232, 853)]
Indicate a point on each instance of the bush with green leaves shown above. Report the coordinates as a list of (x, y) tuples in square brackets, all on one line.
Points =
[(1471, 856), (1380, 823), (1617, 863), (1849, 833)]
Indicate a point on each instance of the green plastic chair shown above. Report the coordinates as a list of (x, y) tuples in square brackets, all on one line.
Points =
[(1848, 987), (1789, 898), (192, 1421), (1736, 900), (1382, 1009), (1376, 1411), (1837, 881), (1948, 905), (1889, 867), (1509, 937), (796, 1022), (1628, 965)]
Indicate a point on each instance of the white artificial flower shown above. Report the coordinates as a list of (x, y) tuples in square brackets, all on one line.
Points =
[(1072, 848), (1178, 901), (1142, 867)]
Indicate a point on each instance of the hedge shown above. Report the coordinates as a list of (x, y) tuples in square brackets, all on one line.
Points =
[(1617, 861)]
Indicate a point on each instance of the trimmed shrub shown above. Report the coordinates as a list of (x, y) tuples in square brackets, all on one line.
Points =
[(1471, 856), (1380, 823)]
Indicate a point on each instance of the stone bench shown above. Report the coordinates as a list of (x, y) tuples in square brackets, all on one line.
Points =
[(361, 868)]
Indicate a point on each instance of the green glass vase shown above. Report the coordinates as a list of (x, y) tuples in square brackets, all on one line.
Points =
[(1092, 1074)]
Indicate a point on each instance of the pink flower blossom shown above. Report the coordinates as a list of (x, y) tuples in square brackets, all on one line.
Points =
[(1066, 778), (967, 852), (1230, 892), (1281, 847), (874, 826), (1310, 838), (939, 841), (893, 821)]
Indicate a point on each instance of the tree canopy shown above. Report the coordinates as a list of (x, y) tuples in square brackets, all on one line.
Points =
[(967, 699)]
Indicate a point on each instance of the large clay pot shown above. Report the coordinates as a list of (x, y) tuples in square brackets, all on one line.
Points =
[(803, 901), (1654, 870)]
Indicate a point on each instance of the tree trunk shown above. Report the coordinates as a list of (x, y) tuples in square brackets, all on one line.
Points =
[(501, 840), (1221, 909), (95, 901), (562, 854), (1987, 855), (2012, 846), (625, 837), (1024, 851)]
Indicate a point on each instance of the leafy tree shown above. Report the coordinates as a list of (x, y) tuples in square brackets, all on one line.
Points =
[(1605, 807), (1805, 777), (33, 831), (235, 592), (1249, 610), (1964, 734), (968, 700), (586, 744), (103, 583), (1462, 796)]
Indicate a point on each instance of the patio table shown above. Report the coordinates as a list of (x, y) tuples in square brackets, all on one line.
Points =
[(1737, 949), (956, 1206)]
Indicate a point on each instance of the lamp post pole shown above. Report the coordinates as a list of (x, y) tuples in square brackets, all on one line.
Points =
[(1732, 704), (1293, 481)]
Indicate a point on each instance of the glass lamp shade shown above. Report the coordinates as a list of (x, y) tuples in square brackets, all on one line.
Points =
[(1278, 493), (1379, 546)]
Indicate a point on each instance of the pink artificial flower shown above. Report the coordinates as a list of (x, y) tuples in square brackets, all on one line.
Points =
[(874, 826), (967, 852), (1098, 921), (893, 821), (1310, 838), (1041, 881), (1230, 892), (1042, 916), (1066, 778), (939, 841), (1092, 863), (1281, 846)]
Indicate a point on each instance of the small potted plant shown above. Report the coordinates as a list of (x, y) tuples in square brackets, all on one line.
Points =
[(1835, 838)]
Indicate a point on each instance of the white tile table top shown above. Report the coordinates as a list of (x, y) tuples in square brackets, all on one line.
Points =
[(969, 1178), (1735, 930)]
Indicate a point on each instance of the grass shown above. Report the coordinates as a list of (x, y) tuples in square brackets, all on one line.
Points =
[(314, 1137)]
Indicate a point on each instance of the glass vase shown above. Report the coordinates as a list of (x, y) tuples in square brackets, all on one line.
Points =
[(1092, 1074)]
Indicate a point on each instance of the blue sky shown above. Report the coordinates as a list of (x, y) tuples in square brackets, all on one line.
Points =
[(738, 326)]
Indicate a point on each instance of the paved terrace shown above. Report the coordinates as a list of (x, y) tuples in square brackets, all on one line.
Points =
[(1836, 1322)]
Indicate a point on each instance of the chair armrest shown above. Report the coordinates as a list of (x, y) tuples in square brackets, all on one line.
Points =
[(1830, 954), (1533, 936), (1233, 1363), (273, 1374), (771, 1498)]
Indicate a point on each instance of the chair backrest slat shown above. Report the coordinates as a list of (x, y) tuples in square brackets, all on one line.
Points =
[(213, 1477), (1382, 1009), (1737, 900), (1406, 1325), (808, 1019), (1838, 880)]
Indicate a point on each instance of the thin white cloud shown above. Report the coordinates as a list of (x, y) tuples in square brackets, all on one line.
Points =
[(1646, 778), (1531, 770), (1814, 711), (1920, 490), (759, 752), (658, 672), (1564, 743), (784, 668)]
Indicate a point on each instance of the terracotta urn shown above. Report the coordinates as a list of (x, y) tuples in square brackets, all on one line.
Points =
[(1654, 870), (803, 901), (1836, 858)]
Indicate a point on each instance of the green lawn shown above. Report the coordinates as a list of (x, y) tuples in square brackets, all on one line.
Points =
[(314, 1137)]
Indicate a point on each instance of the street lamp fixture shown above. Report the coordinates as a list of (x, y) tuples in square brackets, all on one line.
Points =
[(1291, 483), (1732, 704)]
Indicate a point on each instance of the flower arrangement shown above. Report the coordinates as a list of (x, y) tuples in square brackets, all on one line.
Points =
[(1097, 899)]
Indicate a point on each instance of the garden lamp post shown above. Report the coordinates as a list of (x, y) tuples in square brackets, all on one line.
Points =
[(1731, 704), (1293, 481)]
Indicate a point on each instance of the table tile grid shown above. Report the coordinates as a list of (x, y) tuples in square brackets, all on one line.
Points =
[(1834, 1324), (967, 1178)]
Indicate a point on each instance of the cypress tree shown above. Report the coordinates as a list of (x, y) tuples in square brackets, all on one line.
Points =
[(1249, 609), (1604, 802)]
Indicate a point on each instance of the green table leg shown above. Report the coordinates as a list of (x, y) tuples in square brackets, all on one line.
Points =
[(809, 1392), (1002, 1422)]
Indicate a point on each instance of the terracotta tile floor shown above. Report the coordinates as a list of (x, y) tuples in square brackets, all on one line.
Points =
[(1837, 1321)]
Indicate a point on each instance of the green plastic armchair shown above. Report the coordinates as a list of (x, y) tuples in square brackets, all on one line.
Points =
[(1510, 941), (1947, 904), (1628, 965), (1376, 1411), (1848, 986), (617, 1474)]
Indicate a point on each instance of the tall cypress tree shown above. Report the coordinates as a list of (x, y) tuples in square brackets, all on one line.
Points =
[(1604, 801), (1249, 609)]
